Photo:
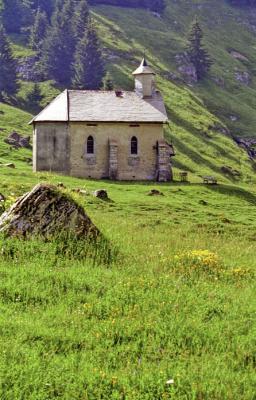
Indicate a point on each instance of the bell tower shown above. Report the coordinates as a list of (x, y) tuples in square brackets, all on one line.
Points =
[(144, 80)]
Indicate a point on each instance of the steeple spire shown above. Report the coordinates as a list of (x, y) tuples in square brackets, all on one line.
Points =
[(144, 79), (144, 68), (144, 61)]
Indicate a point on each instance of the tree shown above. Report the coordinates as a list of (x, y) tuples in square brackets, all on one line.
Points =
[(88, 66), (153, 5), (81, 19), (38, 31), (198, 56), (242, 3), (45, 5), (15, 14), (8, 67), (108, 82), (34, 98), (58, 48)]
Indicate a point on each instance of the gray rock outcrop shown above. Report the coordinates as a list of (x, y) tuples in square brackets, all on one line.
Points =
[(186, 68), (248, 144), (28, 69), (188, 73), (16, 140), (243, 77)]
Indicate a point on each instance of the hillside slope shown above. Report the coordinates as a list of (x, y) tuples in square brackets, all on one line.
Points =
[(196, 133), (13, 119), (200, 114), (229, 35)]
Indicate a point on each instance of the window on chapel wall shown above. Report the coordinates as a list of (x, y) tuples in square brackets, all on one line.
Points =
[(90, 145), (134, 145)]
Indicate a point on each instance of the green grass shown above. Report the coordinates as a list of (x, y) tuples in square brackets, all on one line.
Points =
[(13, 119), (194, 112), (48, 91), (178, 300), (20, 45), (77, 328)]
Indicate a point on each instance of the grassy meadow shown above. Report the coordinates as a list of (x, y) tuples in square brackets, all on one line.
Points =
[(177, 301)]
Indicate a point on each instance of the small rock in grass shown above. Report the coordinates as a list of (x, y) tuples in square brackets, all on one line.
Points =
[(81, 191), (28, 160), (203, 202), (155, 192), (226, 221), (101, 194), (84, 192), (9, 165)]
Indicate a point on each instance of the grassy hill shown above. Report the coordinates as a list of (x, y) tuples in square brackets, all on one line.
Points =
[(199, 114), (226, 29), (193, 110)]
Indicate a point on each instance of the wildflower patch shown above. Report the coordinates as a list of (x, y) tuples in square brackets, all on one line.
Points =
[(198, 262)]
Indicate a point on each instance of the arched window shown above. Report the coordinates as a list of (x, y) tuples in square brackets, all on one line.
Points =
[(90, 145), (134, 145)]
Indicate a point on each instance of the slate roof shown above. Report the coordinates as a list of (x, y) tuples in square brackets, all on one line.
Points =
[(103, 106)]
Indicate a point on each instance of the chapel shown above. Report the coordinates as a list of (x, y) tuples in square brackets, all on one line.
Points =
[(117, 135)]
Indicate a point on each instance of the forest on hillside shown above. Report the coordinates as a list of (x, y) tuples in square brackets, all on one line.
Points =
[(17, 14), (54, 42)]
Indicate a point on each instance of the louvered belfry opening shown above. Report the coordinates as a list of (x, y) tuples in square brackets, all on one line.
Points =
[(134, 145), (90, 145)]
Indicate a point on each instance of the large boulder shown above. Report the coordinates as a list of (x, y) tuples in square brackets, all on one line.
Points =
[(47, 212)]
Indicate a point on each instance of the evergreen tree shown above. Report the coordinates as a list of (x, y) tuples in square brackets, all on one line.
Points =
[(157, 5), (38, 31), (57, 15), (45, 5), (34, 98), (88, 66), (8, 67), (198, 56), (108, 82), (58, 48), (81, 19), (154, 5), (15, 14)]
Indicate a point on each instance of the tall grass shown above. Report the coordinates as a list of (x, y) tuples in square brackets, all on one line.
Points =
[(177, 301)]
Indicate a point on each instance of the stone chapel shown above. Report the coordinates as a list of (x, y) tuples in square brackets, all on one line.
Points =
[(105, 134)]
